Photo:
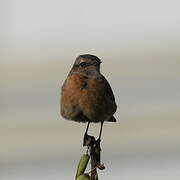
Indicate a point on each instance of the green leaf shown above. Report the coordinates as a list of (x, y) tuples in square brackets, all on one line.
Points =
[(82, 164), (83, 177)]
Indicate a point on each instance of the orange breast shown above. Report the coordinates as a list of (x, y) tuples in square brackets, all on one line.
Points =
[(90, 100), (70, 95)]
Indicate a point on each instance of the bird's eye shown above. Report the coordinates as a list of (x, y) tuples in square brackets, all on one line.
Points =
[(82, 64)]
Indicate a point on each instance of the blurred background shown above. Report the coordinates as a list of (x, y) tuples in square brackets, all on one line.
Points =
[(139, 45)]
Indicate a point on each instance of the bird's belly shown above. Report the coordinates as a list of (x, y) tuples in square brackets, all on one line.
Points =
[(93, 105), (81, 106), (84, 104)]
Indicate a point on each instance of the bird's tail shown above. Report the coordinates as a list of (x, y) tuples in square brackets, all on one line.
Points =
[(112, 119)]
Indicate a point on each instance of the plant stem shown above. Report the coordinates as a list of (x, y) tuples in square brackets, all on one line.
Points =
[(94, 175)]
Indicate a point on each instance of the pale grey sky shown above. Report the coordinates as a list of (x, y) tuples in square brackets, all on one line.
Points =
[(59, 27), (138, 42)]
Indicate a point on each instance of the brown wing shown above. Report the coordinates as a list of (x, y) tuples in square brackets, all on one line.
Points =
[(108, 90), (108, 93)]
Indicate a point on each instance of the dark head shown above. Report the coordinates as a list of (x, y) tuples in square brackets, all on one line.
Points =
[(86, 63)]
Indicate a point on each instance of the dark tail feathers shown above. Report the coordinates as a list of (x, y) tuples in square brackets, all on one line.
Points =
[(112, 119)]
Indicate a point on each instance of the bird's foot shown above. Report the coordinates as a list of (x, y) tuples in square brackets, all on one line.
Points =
[(88, 140)]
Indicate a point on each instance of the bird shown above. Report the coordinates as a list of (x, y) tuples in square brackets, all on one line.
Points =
[(86, 95)]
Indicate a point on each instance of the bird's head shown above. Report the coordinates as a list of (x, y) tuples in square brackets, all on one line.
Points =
[(86, 64)]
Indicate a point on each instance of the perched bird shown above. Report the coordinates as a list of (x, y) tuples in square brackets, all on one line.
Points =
[(86, 95)]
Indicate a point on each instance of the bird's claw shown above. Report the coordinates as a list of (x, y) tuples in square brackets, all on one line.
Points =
[(88, 140)]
